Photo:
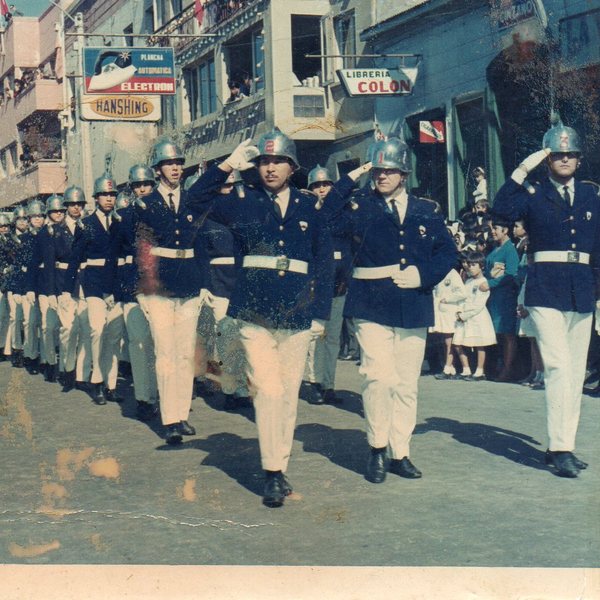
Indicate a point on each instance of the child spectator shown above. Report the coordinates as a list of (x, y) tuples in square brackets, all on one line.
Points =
[(448, 295), (474, 327)]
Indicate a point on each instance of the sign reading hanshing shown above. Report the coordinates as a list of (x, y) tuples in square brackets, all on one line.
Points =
[(129, 71)]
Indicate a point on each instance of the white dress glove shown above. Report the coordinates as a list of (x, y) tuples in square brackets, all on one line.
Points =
[(242, 156), (52, 302), (597, 316), (531, 162), (356, 173), (408, 278), (317, 329)]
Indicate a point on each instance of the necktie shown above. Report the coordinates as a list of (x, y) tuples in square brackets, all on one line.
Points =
[(107, 222), (172, 202), (567, 195), (395, 211), (277, 205)]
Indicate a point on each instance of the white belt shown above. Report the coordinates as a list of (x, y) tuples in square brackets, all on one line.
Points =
[(82, 265), (61, 265), (337, 255), (128, 260), (172, 252), (562, 256), (223, 260), (279, 263), (95, 262), (375, 272)]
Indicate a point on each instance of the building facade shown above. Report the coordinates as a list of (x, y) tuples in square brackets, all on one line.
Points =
[(32, 153), (491, 71)]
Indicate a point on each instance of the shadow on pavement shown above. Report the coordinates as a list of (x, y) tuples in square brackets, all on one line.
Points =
[(346, 448), (495, 440), (216, 401), (237, 457)]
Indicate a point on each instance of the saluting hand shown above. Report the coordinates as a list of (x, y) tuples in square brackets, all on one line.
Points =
[(241, 158), (356, 173), (531, 162)]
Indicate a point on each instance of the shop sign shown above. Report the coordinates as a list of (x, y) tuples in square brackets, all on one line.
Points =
[(507, 13), (378, 82), (120, 108)]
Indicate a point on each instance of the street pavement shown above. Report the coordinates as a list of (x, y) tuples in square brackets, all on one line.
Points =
[(87, 484)]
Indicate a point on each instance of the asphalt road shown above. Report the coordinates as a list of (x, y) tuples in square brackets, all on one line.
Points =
[(87, 484)]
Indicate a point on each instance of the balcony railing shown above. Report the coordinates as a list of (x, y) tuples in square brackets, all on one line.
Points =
[(43, 177)]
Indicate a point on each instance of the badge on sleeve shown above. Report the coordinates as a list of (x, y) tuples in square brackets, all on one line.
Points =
[(303, 225), (588, 216), (422, 230), (190, 218)]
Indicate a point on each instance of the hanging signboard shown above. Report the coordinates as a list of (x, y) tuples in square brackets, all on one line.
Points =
[(507, 13), (378, 82), (431, 132), (120, 108), (129, 71)]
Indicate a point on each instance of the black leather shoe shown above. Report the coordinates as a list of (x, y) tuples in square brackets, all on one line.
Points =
[(377, 465), (442, 376), (145, 411), (50, 373), (186, 429), (33, 366), (316, 397), (18, 360), (287, 486), (111, 396), (68, 381), (581, 465), (329, 397), (563, 463), (404, 468), (82, 386), (275, 491), (96, 394), (173, 435)]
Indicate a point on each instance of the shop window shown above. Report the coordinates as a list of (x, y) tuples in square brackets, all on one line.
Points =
[(345, 166), (245, 60), (128, 38), (306, 39), (312, 105)]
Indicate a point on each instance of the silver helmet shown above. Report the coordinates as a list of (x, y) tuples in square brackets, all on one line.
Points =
[(5, 219), (391, 154), (74, 195), (55, 202), (123, 200), (19, 212), (105, 184), (276, 143), (141, 174), (560, 138), (319, 175), (165, 150), (36, 208)]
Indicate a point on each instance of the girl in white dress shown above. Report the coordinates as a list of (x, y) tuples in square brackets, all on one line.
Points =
[(474, 327), (448, 295)]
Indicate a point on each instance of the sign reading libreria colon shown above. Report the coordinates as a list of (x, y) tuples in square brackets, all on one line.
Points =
[(129, 71)]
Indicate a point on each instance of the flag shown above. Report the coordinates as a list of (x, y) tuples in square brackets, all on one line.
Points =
[(198, 10), (59, 67), (4, 8), (431, 132)]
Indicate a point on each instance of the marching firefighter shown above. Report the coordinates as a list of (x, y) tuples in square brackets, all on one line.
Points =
[(283, 291), (48, 303), (562, 289), (93, 255), (139, 337), (169, 285), (401, 249)]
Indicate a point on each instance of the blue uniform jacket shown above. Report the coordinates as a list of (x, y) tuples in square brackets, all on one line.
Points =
[(6, 260), (125, 249), (379, 240), (56, 244), (271, 298), (157, 226), (554, 225), (20, 277), (92, 241)]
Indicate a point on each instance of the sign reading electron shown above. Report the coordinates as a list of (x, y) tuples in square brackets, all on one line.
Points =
[(378, 82), (129, 71)]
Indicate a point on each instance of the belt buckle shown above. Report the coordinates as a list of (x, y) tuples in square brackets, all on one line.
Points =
[(283, 263), (179, 253), (572, 256)]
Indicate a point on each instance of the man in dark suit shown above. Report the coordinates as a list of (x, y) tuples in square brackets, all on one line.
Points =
[(401, 249), (562, 217)]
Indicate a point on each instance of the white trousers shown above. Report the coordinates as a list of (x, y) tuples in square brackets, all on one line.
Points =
[(276, 359), (31, 324), (391, 360), (4, 319), (48, 331), (14, 335), (173, 324), (563, 339), (106, 330), (141, 353), (323, 351), (69, 334)]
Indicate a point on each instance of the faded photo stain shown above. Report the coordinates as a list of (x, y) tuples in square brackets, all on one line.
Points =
[(99, 545), (32, 550), (13, 407), (105, 467), (69, 462), (188, 491)]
